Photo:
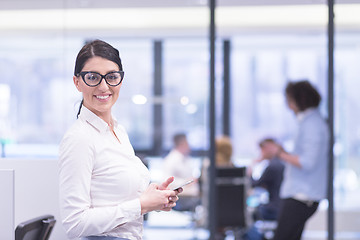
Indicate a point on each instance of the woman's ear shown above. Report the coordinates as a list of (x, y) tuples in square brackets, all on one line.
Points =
[(77, 83)]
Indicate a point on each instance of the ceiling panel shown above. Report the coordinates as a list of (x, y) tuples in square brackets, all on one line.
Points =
[(55, 4)]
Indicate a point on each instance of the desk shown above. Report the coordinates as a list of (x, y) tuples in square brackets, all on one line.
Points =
[(7, 204), (36, 191)]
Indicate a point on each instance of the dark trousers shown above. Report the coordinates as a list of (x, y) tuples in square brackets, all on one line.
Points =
[(265, 212), (292, 218)]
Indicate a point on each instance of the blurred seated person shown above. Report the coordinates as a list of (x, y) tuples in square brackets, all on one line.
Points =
[(179, 164), (223, 156), (223, 159), (270, 180)]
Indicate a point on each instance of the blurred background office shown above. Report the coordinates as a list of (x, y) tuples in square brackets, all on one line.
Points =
[(164, 45)]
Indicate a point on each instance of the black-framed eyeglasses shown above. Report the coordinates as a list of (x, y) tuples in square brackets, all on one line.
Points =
[(93, 79)]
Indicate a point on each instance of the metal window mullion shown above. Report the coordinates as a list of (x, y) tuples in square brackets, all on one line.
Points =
[(157, 107)]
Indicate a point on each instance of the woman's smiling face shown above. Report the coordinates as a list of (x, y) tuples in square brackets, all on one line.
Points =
[(101, 98)]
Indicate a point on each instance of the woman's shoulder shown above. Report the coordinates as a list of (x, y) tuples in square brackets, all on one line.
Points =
[(78, 131), (314, 119)]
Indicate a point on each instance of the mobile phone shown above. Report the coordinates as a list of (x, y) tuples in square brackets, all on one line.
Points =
[(184, 184)]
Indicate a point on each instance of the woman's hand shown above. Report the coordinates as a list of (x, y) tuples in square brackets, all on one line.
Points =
[(165, 185), (159, 197), (279, 152)]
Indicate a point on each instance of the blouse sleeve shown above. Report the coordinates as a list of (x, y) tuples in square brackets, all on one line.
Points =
[(79, 218), (312, 144)]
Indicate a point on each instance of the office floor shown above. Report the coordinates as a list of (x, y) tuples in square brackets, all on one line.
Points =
[(179, 226), (175, 225), (172, 225)]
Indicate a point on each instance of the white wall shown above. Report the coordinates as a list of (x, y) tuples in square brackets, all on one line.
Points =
[(36, 190)]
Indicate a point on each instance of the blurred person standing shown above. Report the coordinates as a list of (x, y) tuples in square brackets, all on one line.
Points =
[(305, 176)]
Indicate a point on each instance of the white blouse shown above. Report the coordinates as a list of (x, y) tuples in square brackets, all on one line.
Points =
[(100, 180)]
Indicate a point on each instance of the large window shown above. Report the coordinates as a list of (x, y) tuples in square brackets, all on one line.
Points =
[(37, 93), (347, 126), (39, 100), (260, 71), (186, 87), (134, 106), (261, 66)]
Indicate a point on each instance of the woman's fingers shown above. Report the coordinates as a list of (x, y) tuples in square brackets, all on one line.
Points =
[(179, 190), (156, 198), (173, 198), (171, 203), (166, 184), (170, 200), (169, 206)]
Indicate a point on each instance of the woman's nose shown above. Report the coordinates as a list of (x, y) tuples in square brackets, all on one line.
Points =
[(103, 84)]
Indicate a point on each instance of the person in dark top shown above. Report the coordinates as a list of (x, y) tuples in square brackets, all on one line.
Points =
[(270, 180)]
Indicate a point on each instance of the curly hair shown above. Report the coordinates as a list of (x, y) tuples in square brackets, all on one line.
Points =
[(303, 93)]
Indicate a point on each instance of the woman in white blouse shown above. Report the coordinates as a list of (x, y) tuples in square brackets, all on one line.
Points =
[(104, 187)]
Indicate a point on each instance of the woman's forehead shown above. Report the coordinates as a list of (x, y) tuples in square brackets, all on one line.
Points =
[(99, 64)]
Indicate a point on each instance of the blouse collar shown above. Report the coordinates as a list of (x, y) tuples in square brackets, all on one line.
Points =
[(95, 121), (301, 115)]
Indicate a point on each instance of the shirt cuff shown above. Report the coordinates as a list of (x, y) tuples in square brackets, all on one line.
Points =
[(132, 209)]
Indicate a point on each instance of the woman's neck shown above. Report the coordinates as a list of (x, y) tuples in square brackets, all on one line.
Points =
[(105, 116)]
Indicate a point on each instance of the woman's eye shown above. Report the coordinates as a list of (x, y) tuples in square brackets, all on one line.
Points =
[(92, 77), (112, 77)]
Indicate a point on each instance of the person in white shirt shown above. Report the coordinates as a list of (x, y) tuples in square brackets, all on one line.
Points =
[(104, 187), (179, 164)]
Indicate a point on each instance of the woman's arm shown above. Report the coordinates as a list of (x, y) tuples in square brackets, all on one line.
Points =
[(290, 158), (278, 151)]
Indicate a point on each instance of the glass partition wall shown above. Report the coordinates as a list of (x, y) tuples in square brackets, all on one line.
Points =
[(346, 128), (38, 101)]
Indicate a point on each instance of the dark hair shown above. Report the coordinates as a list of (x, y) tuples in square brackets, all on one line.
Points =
[(266, 140), (179, 138), (304, 94), (96, 48)]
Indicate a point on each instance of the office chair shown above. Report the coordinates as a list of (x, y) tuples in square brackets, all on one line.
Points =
[(35, 229), (231, 184)]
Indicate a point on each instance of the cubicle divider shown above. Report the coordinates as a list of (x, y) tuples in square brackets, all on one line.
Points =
[(35, 192)]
